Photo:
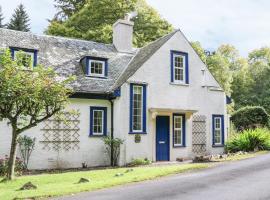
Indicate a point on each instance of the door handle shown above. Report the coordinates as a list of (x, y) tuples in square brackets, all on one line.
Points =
[(161, 142)]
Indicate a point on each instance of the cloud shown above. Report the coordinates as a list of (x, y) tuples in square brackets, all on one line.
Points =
[(243, 23)]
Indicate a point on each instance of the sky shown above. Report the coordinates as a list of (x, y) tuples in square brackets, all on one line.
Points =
[(242, 23)]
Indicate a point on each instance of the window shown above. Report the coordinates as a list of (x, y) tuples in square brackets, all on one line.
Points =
[(179, 67), (97, 67), (28, 57), (137, 108), (218, 130), (98, 121), (179, 130)]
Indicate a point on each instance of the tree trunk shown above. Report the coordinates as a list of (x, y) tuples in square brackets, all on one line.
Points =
[(12, 155)]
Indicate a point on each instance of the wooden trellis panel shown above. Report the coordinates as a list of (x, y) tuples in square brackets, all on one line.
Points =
[(199, 134), (62, 133)]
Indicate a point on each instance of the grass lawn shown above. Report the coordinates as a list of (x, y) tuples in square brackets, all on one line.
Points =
[(66, 183)]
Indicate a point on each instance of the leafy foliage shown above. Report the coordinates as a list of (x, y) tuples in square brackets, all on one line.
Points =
[(94, 21), (68, 7), (250, 117), (112, 146), (19, 166), (249, 140), (26, 145), (28, 97), (19, 20)]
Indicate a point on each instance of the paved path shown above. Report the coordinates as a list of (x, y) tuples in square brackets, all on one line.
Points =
[(242, 180)]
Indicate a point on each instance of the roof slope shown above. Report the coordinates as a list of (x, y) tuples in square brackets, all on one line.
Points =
[(141, 57), (64, 55)]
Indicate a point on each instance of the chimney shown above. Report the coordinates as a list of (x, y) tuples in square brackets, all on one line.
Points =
[(122, 34)]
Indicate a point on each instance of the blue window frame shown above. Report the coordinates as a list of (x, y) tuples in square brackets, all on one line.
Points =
[(97, 67), (218, 130), (179, 67), (137, 118), (31, 53), (98, 121), (179, 130)]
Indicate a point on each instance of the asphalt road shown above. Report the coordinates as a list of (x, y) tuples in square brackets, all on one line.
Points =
[(247, 179)]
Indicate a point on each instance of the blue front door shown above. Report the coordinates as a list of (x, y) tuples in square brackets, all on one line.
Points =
[(162, 138)]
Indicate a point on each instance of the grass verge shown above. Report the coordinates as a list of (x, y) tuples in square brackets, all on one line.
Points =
[(236, 157), (66, 183)]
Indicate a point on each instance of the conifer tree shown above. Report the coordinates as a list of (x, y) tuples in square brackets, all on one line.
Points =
[(19, 20)]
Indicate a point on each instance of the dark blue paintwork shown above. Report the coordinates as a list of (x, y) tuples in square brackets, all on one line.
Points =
[(163, 138)]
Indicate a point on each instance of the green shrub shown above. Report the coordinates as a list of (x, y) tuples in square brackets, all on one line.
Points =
[(250, 117), (19, 167), (113, 145), (139, 161), (249, 140)]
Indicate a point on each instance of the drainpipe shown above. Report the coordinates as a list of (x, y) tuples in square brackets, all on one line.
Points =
[(112, 127)]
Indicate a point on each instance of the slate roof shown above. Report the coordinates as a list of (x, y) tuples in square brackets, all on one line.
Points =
[(64, 55)]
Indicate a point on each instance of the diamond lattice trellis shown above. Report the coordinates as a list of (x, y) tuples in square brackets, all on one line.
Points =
[(62, 134), (199, 134)]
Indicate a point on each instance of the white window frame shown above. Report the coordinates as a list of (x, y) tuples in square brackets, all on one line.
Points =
[(32, 54), (141, 120), (184, 68), (177, 129), (102, 124), (218, 129), (90, 61)]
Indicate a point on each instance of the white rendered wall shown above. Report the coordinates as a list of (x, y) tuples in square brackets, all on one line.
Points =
[(91, 148), (156, 73)]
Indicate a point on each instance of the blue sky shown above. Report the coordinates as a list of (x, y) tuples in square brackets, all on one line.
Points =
[(243, 23)]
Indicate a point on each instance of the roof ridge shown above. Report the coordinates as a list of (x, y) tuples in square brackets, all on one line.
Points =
[(57, 37)]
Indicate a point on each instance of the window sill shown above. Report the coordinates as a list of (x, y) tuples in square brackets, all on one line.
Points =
[(179, 146), (180, 84), (217, 145), (98, 77), (97, 136), (134, 133)]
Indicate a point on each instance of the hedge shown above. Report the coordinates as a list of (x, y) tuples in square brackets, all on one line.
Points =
[(250, 117)]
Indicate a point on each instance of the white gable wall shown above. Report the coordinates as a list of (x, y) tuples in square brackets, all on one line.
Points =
[(156, 73)]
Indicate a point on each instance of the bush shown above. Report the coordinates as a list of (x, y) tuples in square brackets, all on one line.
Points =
[(250, 117), (113, 144), (249, 140), (139, 161), (19, 166)]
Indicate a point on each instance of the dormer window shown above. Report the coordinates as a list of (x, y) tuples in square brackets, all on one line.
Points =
[(28, 57), (95, 67)]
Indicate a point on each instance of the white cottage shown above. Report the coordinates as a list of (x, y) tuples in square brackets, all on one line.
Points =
[(160, 99)]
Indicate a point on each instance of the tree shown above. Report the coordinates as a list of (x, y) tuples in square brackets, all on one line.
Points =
[(1, 18), (19, 20), (28, 97), (95, 19), (218, 64), (67, 8)]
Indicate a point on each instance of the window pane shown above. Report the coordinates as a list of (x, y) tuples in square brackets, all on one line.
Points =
[(179, 68), (98, 122), (178, 130), (137, 108), (217, 136), (97, 67)]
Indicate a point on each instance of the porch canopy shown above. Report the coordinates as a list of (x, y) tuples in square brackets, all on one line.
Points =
[(156, 111)]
